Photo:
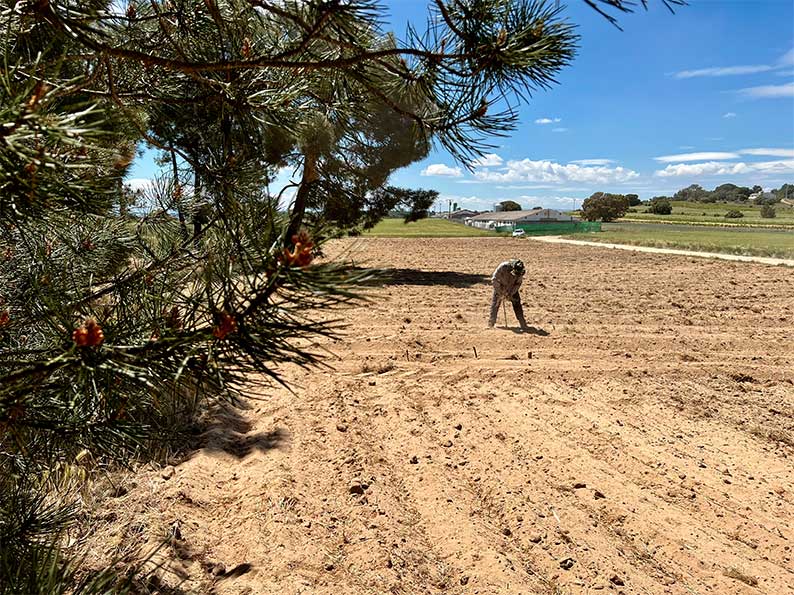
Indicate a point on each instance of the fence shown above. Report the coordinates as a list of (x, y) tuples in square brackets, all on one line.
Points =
[(553, 228)]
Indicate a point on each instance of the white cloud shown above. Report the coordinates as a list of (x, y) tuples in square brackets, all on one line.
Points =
[(709, 168), (559, 130), (475, 203), (550, 202), (528, 170), (527, 202), (723, 71), (543, 121), (714, 163), (784, 61), (768, 91), (784, 166), (716, 168), (488, 160), (769, 152), (686, 147), (554, 187), (713, 156), (540, 198), (592, 161), (142, 184), (524, 186), (439, 169), (729, 115)]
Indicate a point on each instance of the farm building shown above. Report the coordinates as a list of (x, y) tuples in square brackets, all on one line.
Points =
[(507, 219), (762, 197), (461, 215)]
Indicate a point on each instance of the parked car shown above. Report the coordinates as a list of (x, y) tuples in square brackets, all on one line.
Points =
[(519, 233)]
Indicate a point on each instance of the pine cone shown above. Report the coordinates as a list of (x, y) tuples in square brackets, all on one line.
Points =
[(226, 325), (89, 334), (302, 253)]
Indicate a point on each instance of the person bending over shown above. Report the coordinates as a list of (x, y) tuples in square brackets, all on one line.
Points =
[(506, 280)]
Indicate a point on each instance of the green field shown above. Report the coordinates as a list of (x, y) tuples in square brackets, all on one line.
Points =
[(424, 228), (753, 242), (714, 214), (741, 240)]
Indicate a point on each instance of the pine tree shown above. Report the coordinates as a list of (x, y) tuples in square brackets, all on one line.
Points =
[(123, 315)]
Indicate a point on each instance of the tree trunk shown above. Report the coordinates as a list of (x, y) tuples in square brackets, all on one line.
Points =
[(308, 179), (198, 197), (124, 209), (178, 198)]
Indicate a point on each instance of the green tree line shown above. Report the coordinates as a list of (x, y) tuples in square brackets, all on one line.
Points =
[(732, 193)]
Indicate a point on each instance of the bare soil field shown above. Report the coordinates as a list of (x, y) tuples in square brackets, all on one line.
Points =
[(644, 446)]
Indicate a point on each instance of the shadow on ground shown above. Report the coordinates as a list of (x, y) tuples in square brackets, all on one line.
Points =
[(229, 431), (418, 277), (530, 330)]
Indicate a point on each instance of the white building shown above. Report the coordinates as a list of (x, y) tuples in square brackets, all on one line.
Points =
[(492, 220), (756, 196)]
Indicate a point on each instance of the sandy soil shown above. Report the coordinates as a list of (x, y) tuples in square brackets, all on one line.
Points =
[(644, 446)]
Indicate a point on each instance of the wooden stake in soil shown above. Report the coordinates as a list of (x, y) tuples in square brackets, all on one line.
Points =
[(475, 352)]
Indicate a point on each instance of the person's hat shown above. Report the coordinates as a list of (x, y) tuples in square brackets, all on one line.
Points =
[(518, 268)]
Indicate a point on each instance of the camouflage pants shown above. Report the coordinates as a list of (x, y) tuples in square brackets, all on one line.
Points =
[(518, 309)]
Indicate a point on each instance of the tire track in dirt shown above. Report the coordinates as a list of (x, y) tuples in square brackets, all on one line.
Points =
[(561, 483)]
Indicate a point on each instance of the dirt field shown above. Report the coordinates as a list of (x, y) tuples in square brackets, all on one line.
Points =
[(644, 446)]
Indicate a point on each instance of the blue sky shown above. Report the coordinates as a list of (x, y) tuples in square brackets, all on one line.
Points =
[(703, 96)]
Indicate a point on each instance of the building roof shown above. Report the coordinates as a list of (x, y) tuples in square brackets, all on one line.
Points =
[(506, 215)]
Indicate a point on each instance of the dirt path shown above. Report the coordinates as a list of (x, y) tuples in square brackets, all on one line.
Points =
[(719, 255), (644, 446)]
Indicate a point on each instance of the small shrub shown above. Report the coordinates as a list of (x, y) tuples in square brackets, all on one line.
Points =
[(660, 206), (734, 214), (768, 211)]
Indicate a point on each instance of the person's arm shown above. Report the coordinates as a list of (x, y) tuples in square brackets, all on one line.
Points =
[(501, 278)]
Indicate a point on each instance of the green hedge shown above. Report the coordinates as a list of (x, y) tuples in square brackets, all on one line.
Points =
[(553, 228)]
